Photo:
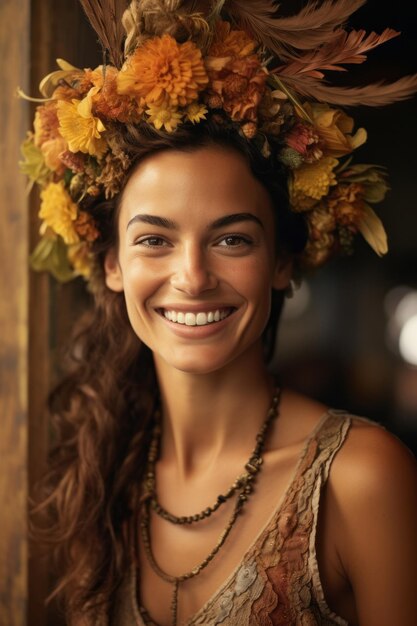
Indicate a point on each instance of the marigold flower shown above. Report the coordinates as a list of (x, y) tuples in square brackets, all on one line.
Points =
[(196, 112), (164, 71), (161, 117), (80, 128), (311, 182), (58, 212), (335, 129)]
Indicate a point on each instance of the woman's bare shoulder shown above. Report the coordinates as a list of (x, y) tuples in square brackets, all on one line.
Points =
[(373, 459)]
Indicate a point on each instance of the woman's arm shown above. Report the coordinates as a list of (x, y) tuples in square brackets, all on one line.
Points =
[(375, 487)]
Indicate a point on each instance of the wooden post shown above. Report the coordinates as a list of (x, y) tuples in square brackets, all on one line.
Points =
[(14, 69)]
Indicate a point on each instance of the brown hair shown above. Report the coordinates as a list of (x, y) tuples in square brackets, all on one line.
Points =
[(102, 409)]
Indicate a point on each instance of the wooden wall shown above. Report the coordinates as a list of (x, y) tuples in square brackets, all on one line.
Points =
[(35, 313)]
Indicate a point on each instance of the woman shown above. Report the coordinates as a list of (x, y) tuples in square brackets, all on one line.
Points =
[(186, 486)]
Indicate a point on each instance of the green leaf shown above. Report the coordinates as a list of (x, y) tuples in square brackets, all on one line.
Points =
[(50, 255)]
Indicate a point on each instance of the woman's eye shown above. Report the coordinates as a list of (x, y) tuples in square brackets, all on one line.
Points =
[(151, 242), (232, 241)]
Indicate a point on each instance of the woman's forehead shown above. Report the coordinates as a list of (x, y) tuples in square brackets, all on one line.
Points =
[(210, 178)]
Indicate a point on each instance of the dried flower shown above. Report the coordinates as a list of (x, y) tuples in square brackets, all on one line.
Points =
[(164, 71), (86, 227), (311, 182), (110, 104), (58, 212), (46, 123), (230, 43), (346, 203), (335, 129), (303, 138), (235, 73)]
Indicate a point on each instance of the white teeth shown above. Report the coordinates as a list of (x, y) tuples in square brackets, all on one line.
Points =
[(201, 319), (190, 319), (196, 319)]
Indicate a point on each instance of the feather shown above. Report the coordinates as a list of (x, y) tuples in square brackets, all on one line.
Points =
[(314, 25), (105, 17), (346, 48), (376, 94)]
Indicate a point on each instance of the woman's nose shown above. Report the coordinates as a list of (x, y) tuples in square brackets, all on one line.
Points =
[(192, 273)]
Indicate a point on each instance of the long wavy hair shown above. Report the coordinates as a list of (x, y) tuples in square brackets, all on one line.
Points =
[(102, 409)]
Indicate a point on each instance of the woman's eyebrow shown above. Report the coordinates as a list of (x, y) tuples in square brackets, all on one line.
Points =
[(153, 220), (164, 222), (234, 218)]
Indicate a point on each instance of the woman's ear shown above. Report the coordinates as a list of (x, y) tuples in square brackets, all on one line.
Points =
[(283, 272), (114, 277)]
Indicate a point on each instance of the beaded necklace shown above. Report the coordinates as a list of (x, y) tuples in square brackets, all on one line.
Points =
[(243, 486)]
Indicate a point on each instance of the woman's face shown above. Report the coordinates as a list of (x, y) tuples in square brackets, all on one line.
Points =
[(196, 258)]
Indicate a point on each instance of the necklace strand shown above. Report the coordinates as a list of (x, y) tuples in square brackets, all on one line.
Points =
[(243, 484)]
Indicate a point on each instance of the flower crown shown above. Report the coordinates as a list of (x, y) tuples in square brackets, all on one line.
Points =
[(174, 62)]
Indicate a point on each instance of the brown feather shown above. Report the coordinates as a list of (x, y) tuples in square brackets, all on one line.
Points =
[(105, 17), (347, 48), (314, 25), (376, 94)]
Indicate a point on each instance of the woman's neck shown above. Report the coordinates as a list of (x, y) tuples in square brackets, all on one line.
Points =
[(205, 416)]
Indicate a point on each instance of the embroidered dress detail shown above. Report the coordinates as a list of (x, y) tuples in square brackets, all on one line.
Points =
[(277, 582)]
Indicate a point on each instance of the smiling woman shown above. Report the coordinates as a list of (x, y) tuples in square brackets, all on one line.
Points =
[(186, 486)]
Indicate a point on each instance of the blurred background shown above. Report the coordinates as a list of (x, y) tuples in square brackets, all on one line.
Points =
[(348, 336)]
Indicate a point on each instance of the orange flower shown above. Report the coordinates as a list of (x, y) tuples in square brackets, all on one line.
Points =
[(346, 201), (46, 123), (107, 102), (228, 42), (85, 227), (236, 75), (322, 224), (164, 71)]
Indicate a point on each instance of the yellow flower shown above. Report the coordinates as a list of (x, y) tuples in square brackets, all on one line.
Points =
[(80, 128), (81, 259), (162, 70), (196, 112), (335, 129), (311, 182), (168, 118), (58, 212)]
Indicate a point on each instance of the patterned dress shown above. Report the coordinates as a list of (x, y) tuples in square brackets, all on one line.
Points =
[(277, 583)]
